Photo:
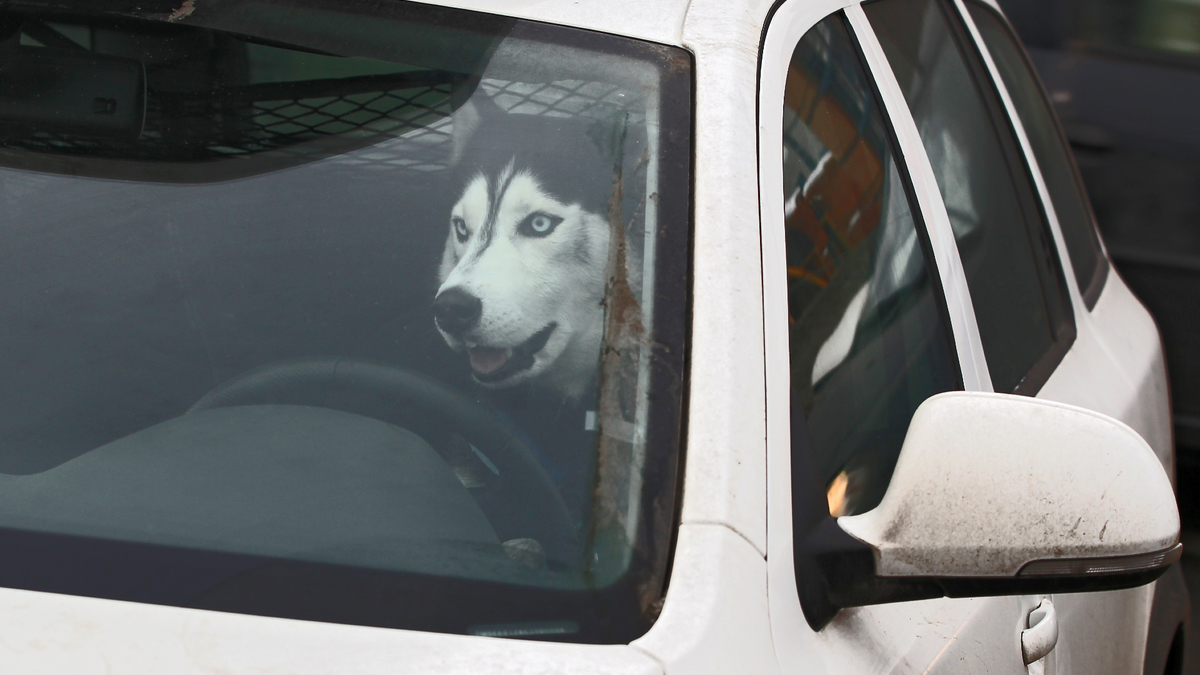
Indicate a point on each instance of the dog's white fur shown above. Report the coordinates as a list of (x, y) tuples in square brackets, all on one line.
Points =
[(528, 281)]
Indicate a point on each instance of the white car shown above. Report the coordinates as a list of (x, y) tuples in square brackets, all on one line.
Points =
[(558, 337)]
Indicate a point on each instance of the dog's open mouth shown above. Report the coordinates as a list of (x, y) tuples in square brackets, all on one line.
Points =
[(492, 365)]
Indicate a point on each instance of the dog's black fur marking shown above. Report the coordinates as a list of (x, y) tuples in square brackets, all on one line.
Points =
[(560, 152), (496, 192)]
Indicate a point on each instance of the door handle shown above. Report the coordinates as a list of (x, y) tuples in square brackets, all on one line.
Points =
[(1042, 634)]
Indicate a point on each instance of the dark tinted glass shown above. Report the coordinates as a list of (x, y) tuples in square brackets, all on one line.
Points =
[(306, 308), (1049, 146), (868, 338), (1015, 281)]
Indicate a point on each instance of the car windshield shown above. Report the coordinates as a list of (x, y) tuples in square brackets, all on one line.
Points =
[(355, 311)]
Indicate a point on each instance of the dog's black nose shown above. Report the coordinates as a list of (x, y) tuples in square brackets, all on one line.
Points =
[(456, 310)]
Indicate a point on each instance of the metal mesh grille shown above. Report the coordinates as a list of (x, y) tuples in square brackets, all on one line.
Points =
[(562, 98), (319, 118), (207, 125)]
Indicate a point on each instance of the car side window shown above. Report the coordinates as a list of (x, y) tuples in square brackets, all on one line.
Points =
[(1049, 145), (869, 337), (1016, 283)]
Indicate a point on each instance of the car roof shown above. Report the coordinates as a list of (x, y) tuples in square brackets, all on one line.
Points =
[(656, 20)]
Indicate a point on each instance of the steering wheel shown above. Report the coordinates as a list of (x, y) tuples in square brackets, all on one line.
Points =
[(527, 505)]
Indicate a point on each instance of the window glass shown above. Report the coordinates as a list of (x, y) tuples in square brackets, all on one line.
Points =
[(342, 311), (869, 341), (1015, 281), (1049, 146)]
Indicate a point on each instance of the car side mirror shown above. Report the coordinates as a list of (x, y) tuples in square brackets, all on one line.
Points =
[(997, 494)]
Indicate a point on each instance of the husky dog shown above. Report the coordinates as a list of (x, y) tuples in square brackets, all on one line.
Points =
[(523, 272)]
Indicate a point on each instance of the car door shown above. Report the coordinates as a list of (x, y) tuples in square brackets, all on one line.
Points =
[(1125, 79), (1014, 229), (868, 313), (1101, 632)]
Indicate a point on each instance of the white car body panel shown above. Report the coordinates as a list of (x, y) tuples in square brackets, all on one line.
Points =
[(1116, 367), (720, 623), (53, 634), (725, 422), (731, 606)]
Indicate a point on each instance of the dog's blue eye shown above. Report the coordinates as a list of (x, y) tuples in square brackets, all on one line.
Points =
[(460, 229), (538, 224)]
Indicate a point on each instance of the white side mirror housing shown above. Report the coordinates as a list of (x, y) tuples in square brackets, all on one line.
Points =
[(997, 494), (992, 485)]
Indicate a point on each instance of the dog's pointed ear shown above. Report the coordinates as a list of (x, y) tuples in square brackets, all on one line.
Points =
[(467, 120)]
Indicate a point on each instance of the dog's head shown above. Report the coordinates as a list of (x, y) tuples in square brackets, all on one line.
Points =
[(523, 271)]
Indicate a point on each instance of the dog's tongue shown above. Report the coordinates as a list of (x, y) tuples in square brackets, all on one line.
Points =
[(487, 360)]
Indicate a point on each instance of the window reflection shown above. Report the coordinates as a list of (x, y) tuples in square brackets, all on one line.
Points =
[(1016, 284), (868, 342)]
